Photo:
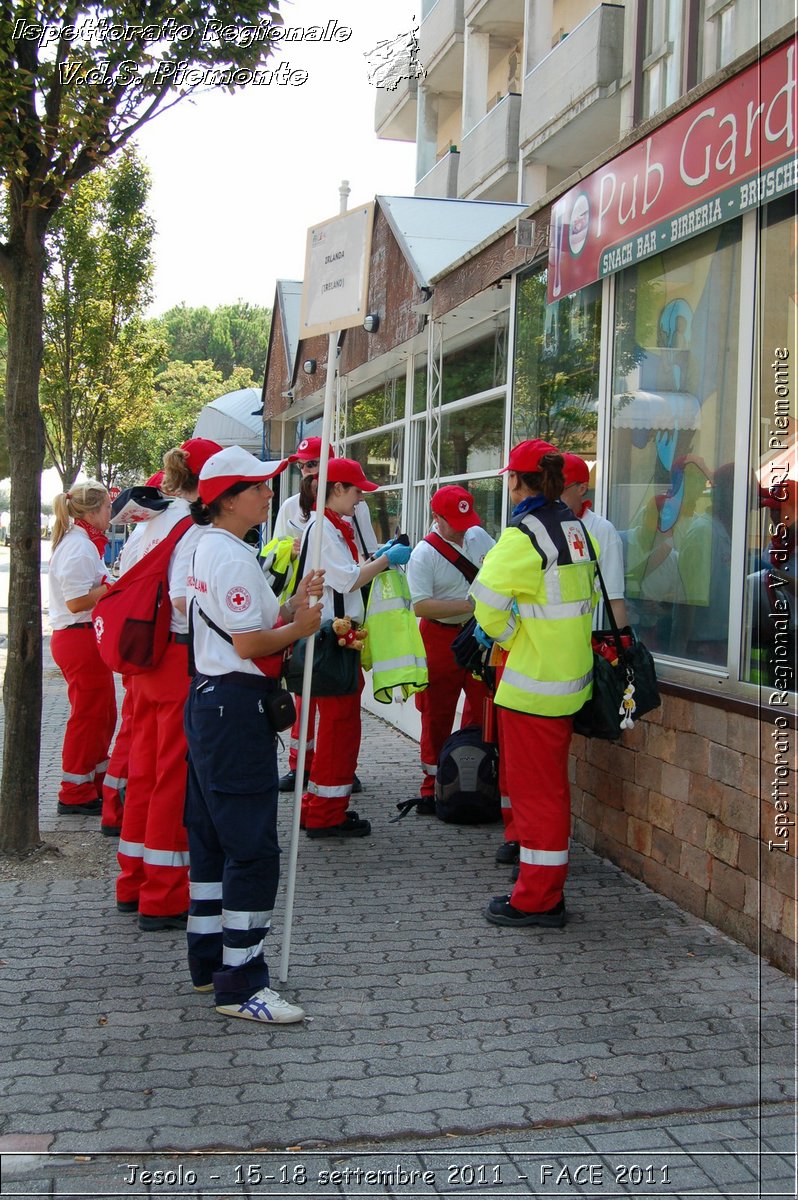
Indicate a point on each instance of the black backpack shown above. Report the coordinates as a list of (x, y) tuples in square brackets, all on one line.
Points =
[(467, 782)]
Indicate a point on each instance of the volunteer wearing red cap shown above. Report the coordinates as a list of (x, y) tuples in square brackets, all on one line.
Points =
[(440, 572), (291, 522), (78, 578), (576, 473), (153, 849), (231, 791), (325, 802), (534, 596), (137, 505)]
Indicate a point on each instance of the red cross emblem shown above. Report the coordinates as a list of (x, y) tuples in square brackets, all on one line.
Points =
[(238, 599), (576, 543)]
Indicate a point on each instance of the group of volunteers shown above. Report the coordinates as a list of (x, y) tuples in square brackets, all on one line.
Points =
[(192, 786)]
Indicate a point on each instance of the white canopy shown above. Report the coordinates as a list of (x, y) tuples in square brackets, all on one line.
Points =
[(233, 420)]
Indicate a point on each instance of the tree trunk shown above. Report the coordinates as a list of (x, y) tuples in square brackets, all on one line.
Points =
[(22, 688)]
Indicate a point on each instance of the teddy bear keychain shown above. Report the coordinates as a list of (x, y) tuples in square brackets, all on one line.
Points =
[(352, 636)]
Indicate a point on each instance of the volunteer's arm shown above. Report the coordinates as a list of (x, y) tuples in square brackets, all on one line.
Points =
[(299, 617), (86, 603), (436, 610)]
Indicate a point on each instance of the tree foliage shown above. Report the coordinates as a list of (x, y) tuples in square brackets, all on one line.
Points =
[(232, 335), (99, 356), (71, 95)]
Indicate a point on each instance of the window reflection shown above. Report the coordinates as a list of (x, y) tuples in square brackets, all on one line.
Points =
[(673, 441)]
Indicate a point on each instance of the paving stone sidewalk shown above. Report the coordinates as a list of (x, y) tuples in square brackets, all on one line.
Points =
[(487, 1061)]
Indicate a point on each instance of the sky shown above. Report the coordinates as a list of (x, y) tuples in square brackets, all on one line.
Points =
[(238, 179)]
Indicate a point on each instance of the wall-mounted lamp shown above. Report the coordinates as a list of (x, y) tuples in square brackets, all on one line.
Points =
[(309, 366), (372, 323)]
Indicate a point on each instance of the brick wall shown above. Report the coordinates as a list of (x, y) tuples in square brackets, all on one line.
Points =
[(685, 803)]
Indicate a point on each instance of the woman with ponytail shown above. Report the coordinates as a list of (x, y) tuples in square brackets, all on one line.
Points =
[(77, 579), (534, 597), (153, 847)]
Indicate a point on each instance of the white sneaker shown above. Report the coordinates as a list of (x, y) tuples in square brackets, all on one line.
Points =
[(266, 1006)]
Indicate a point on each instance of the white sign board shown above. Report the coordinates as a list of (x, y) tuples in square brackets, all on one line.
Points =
[(335, 287)]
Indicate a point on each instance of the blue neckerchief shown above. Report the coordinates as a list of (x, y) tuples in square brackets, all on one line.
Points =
[(529, 505)]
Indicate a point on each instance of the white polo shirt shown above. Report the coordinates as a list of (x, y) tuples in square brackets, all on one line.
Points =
[(153, 532), (341, 571), (227, 584), (433, 577), (75, 569), (611, 547)]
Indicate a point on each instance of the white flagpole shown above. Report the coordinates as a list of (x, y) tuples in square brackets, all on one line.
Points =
[(315, 557)]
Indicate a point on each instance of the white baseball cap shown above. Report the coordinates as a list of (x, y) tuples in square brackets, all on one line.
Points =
[(234, 465)]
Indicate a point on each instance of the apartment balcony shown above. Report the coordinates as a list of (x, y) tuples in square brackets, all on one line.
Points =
[(489, 151), (395, 111), (503, 18), (571, 105), (440, 46), (441, 181)]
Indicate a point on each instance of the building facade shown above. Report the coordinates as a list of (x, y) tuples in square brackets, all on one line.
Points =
[(643, 314)]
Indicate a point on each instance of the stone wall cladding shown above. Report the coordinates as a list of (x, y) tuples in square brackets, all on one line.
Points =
[(684, 803)]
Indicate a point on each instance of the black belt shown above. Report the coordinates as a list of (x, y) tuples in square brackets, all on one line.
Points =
[(182, 639), (444, 624), (78, 625), (264, 683)]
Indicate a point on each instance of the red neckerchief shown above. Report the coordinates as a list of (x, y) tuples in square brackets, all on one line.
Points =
[(584, 509), (99, 540), (346, 529)]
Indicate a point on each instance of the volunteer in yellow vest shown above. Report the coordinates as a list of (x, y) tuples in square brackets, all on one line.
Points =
[(534, 596)]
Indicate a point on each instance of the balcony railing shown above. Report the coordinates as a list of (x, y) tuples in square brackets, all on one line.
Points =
[(582, 70), (490, 149), (441, 181), (442, 27), (395, 111)]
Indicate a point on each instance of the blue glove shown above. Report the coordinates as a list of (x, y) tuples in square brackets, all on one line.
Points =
[(482, 637), (397, 555)]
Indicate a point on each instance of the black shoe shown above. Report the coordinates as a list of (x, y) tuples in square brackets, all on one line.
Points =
[(110, 830), (425, 807), (89, 809), (501, 912), (351, 826), (288, 782), (127, 906), (152, 924), (508, 853), (357, 786)]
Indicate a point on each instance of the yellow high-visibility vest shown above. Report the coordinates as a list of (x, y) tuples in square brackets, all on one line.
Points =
[(394, 651), (535, 595)]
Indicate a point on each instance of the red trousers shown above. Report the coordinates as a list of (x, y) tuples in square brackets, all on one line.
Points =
[(92, 713), (535, 755), (153, 847), (115, 781), (438, 702), (293, 748), (337, 746)]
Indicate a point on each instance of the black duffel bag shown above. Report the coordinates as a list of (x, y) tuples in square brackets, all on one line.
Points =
[(335, 668), (623, 689)]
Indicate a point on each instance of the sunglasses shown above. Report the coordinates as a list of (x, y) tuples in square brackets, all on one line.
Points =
[(310, 464)]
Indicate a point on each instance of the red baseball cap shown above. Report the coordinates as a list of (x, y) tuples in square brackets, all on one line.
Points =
[(199, 450), (525, 457), (155, 480), (346, 470), (308, 450), (456, 506), (575, 469), (234, 465)]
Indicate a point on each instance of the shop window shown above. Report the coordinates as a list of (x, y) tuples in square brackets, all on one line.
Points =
[(487, 495), (478, 367), (674, 424), (380, 406), (771, 604), (556, 369), (386, 512), (379, 455), (472, 438)]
